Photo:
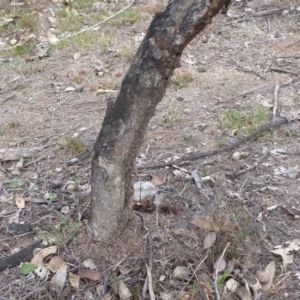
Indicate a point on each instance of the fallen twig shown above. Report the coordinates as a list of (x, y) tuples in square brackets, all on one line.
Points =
[(198, 154), (17, 236), (104, 286), (277, 57), (144, 222), (21, 256), (217, 271), (289, 45), (252, 91), (148, 281), (246, 70), (268, 12), (275, 102), (201, 262), (280, 70), (149, 276), (283, 231), (80, 158)]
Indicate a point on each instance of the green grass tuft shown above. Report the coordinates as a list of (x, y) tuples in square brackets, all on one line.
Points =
[(74, 144), (243, 121)]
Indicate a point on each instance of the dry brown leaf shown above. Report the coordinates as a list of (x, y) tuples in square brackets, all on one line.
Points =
[(156, 180), (243, 293), (253, 282), (52, 38), (124, 291), (181, 273), (74, 280), (108, 296), (209, 240), (232, 285), (222, 264), (42, 254), (42, 272), (20, 202), (58, 280), (88, 263), (183, 296), (206, 225), (55, 264), (4, 246), (167, 295), (89, 274), (287, 253), (266, 276), (224, 227)]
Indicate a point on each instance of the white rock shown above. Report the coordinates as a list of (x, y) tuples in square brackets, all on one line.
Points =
[(143, 190), (181, 273), (236, 156)]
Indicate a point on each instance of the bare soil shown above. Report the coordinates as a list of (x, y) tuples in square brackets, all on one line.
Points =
[(236, 63)]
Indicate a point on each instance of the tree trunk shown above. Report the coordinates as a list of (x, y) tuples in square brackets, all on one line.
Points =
[(127, 116)]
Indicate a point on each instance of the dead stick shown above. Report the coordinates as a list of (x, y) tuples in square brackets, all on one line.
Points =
[(280, 70), (275, 103), (202, 261), (243, 69), (252, 91), (150, 260), (149, 276), (268, 12), (292, 44), (198, 154), (217, 271)]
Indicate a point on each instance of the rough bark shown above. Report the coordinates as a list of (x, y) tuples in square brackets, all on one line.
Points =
[(127, 116)]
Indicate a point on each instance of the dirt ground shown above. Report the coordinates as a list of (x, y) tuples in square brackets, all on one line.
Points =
[(244, 61)]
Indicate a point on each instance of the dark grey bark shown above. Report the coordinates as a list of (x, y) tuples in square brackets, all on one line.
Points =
[(127, 116)]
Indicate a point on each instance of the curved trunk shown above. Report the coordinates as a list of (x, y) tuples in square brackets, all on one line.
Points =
[(127, 116)]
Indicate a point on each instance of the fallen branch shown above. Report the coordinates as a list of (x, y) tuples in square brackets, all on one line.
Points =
[(80, 158), (268, 12), (252, 91), (19, 257), (280, 70), (246, 70), (198, 154), (278, 57)]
